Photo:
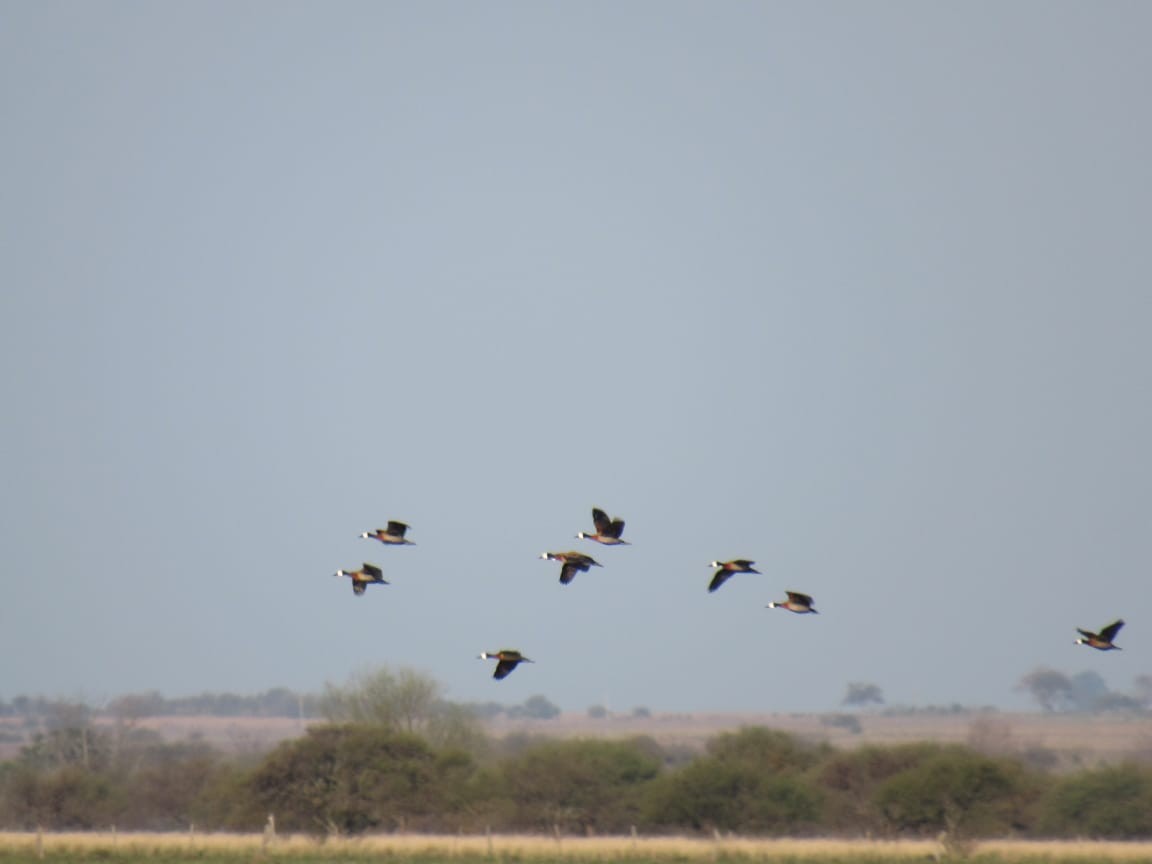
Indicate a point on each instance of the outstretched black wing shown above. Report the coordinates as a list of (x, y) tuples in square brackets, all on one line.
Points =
[(568, 572), (359, 588), (601, 521), (615, 529), (396, 529), (798, 598), (504, 668), (1109, 632), (719, 579), (372, 570)]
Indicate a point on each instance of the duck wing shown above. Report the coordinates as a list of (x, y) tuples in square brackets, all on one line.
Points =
[(504, 668), (601, 521), (719, 579), (1109, 632)]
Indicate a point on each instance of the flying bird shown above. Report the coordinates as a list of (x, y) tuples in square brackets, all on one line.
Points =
[(573, 563), (796, 602), (393, 535), (727, 568), (1101, 641), (367, 575), (508, 660), (608, 531)]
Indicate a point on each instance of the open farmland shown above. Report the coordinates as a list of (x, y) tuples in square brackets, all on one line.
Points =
[(1074, 739)]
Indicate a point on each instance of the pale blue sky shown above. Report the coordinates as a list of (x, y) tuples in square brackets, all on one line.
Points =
[(860, 291)]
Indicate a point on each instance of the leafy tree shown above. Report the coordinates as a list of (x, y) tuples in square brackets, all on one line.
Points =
[(1088, 690), (850, 778), (579, 785), (850, 722), (1114, 802), (955, 791), (405, 701), (710, 794), (348, 779), (1052, 690), (535, 707), (61, 798), (860, 693), (765, 749), (749, 781), (166, 784)]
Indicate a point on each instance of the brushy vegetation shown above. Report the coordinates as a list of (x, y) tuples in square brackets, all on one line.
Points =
[(351, 779), (395, 760)]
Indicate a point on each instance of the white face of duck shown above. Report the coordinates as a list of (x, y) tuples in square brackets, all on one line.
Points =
[(365, 535), (714, 564)]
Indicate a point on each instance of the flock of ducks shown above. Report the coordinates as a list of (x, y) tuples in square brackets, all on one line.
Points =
[(609, 532)]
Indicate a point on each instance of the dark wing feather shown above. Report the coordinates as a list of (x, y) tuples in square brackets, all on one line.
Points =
[(1109, 632), (1086, 634), (719, 579), (802, 599), (373, 571), (615, 529), (601, 521), (396, 528), (504, 668), (358, 587), (568, 572)]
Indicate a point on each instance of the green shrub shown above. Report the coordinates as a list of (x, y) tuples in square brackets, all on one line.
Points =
[(1113, 802)]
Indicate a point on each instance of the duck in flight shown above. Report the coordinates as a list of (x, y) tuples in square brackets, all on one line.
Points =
[(367, 575), (608, 531), (1101, 641), (727, 568), (796, 602), (573, 563), (393, 535), (507, 660)]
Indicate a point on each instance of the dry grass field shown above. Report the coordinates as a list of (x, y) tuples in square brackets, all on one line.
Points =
[(1075, 739), (430, 849)]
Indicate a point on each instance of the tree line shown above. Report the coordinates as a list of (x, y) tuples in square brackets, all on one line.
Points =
[(393, 755)]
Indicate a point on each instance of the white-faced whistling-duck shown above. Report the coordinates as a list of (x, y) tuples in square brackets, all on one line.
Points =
[(367, 575), (574, 562), (727, 568), (1101, 641), (393, 535), (608, 531), (508, 660), (796, 602)]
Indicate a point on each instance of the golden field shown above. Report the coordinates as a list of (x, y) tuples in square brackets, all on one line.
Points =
[(428, 848)]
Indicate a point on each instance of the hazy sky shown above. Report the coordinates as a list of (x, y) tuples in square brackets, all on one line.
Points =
[(861, 291)]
